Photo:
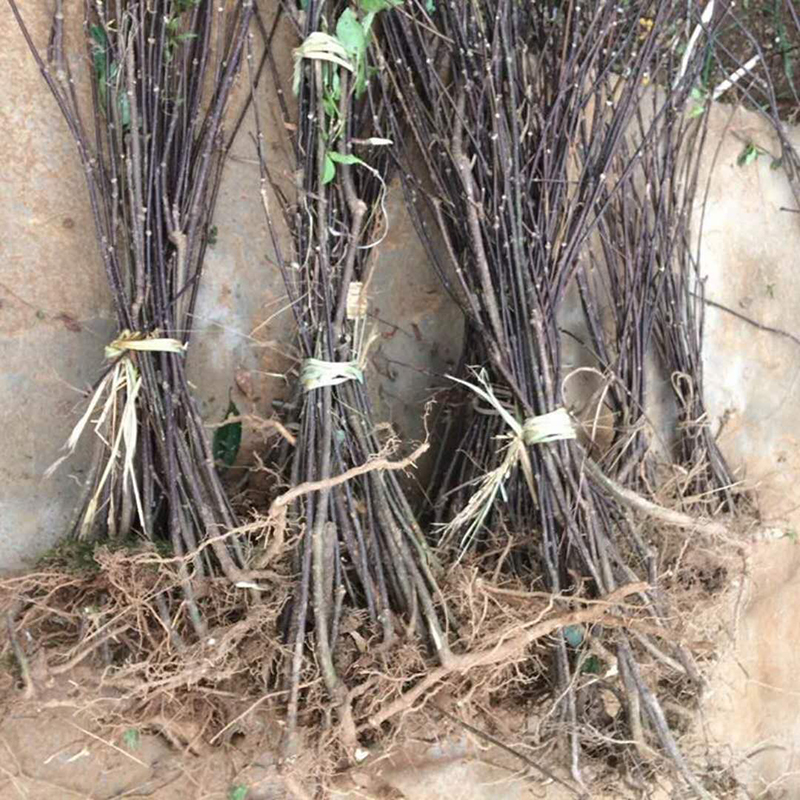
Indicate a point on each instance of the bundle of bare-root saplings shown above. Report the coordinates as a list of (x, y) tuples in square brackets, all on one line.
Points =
[(160, 76), (362, 561), (536, 134)]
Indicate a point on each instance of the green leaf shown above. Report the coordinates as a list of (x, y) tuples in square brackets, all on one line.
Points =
[(351, 35), (124, 111), (748, 155), (99, 44), (98, 33), (573, 634), (366, 24), (330, 169), (699, 96), (374, 6), (228, 438), (354, 37), (430, 6), (344, 158), (361, 79), (100, 60), (592, 665), (696, 111), (238, 792), (776, 163), (330, 105)]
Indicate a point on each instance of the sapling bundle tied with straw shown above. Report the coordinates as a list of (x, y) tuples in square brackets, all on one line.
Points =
[(706, 482), (361, 547), (750, 61), (161, 77), (641, 267), (520, 114)]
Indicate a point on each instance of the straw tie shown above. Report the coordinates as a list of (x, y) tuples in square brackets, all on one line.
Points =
[(315, 373), (551, 427), (540, 429), (136, 340), (115, 398)]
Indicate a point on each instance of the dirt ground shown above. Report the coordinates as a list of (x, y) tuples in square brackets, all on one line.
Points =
[(54, 747)]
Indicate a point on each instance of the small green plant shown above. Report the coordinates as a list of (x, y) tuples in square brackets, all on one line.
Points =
[(77, 555), (752, 151), (213, 235), (574, 635), (174, 35), (346, 50), (333, 158), (72, 555), (131, 738), (592, 666), (238, 792), (791, 535), (107, 76), (700, 98), (10, 666), (784, 44)]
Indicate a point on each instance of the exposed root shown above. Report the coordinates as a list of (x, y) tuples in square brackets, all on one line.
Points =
[(504, 650), (123, 622), (668, 516), (279, 506), (21, 658)]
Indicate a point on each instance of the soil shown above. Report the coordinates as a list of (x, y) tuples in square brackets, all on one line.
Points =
[(53, 747), (64, 744)]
